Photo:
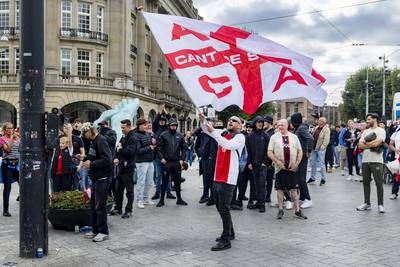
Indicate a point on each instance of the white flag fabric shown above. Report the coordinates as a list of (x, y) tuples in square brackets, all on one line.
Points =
[(222, 65)]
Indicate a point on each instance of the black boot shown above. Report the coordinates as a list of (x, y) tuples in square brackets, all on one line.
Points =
[(170, 195), (156, 196), (160, 203), (221, 245), (126, 215), (6, 214), (181, 202), (203, 199)]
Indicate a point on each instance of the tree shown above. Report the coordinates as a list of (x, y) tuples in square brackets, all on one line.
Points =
[(354, 93), (263, 110)]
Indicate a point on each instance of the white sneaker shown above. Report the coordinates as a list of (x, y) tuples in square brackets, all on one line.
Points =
[(381, 209), (289, 205), (393, 196), (89, 235), (140, 205), (364, 207), (100, 237), (148, 202), (306, 204), (349, 178)]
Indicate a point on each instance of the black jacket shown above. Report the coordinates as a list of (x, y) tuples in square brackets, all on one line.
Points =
[(126, 154), (101, 158), (207, 147), (305, 138), (347, 135), (171, 146), (270, 132), (111, 137), (67, 165), (257, 148), (157, 128), (334, 138), (143, 151)]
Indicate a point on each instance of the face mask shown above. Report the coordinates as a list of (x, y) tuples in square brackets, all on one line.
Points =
[(172, 131), (219, 127)]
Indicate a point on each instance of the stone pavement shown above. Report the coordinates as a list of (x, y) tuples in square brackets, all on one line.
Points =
[(334, 235)]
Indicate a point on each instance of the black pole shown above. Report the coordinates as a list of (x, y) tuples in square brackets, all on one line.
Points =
[(33, 182)]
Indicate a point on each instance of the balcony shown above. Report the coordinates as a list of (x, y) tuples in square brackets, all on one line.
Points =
[(10, 32), (6, 78), (85, 81), (80, 34), (133, 50)]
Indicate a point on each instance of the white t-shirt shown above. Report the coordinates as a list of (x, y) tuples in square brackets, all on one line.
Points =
[(396, 138), (370, 156)]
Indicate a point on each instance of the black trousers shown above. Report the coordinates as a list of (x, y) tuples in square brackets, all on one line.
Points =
[(171, 169), (124, 182), (222, 197), (243, 179), (208, 166), (352, 161), (98, 205), (63, 182), (329, 156), (302, 175), (395, 187), (270, 181), (259, 181)]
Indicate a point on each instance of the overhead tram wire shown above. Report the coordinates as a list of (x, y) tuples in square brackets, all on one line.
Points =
[(305, 13)]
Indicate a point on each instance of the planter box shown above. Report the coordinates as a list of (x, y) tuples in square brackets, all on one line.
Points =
[(66, 219)]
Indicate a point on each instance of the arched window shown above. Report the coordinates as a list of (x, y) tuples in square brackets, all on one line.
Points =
[(8, 113), (140, 113), (195, 125), (87, 111), (152, 115), (189, 124)]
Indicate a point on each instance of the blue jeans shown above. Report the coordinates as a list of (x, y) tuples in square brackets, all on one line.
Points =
[(84, 182), (337, 155), (145, 171), (318, 160), (359, 160), (159, 177), (189, 157)]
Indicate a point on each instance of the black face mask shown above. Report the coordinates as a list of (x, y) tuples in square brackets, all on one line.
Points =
[(172, 131), (219, 127)]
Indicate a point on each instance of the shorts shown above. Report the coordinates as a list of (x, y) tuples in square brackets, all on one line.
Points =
[(286, 180)]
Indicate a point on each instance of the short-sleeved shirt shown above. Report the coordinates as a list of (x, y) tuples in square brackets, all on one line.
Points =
[(77, 144), (370, 156), (396, 138), (278, 145)]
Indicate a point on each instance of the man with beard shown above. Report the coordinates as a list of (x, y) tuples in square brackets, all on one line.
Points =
[(258, 161), (172, 152), (125, 159), (306, 141), (372, 162), (230, 146)]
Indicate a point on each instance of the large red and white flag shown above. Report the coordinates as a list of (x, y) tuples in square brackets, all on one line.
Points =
[(223, 66)]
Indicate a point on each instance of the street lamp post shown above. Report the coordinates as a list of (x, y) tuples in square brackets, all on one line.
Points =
[(366, 95), (384, 61), (33, 183)]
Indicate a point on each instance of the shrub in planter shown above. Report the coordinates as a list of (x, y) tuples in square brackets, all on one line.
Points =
[(71, 208)]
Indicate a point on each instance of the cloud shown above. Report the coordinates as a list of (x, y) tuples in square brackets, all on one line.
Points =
[(313, 35)]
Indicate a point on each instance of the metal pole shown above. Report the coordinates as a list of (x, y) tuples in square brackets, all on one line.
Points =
[(384, 89), (366, 95), (33, 185)]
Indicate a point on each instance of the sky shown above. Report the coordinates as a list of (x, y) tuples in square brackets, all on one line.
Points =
[(325, 36)]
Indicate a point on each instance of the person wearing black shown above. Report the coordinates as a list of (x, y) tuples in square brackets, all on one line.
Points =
[(109, 134), (208, 151), (76, 145), (171, 148), (160, 126), (269, 130), (99, 161), (258, 161), (330, 150), (125, 158), (306, 141)]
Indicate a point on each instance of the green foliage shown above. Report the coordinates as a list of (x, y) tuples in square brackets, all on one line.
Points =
[(263, 110), (354, 93), (71, 200)]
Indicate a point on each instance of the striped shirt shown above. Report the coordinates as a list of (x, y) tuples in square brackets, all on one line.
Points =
[(14, 154)]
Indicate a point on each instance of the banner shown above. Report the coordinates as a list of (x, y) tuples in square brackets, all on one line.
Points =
[(223, 66)]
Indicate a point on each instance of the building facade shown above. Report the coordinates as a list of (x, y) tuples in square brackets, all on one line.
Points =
[(97, 53)]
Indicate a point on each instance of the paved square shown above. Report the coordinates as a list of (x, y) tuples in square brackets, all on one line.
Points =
[(334, 235)]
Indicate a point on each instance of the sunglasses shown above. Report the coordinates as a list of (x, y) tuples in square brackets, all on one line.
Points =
[(233, 120)]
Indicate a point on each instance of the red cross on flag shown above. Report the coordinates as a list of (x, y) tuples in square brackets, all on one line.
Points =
[(223, 66)]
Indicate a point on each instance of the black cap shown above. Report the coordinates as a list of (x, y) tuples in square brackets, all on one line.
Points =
[(269, 119), (172, 122), (296, 118)]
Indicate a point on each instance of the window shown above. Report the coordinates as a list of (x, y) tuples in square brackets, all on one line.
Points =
[(4, 14), (99, 19), (66, 15), (99, 65), (17, 18), (65, 61), (16, 60), (148, 41), (4, 60), (83, 63), (83, 19)]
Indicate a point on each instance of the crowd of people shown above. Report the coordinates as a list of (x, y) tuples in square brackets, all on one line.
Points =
[(256, 154)]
